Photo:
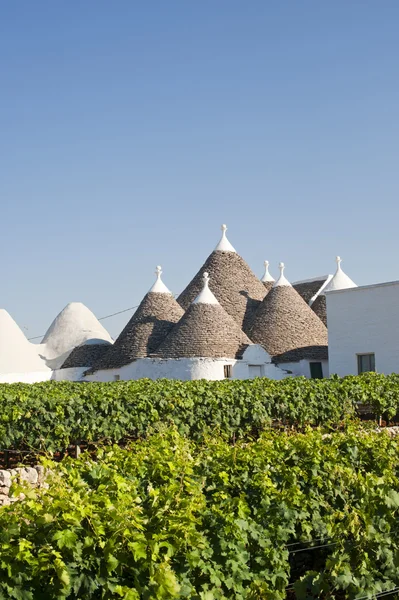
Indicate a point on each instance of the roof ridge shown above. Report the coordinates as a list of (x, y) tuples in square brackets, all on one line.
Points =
[(321, 290)]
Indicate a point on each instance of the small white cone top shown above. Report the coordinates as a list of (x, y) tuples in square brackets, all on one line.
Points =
[(282, 279), (267, 277), (340, 281), (205, 296), (224, 244), (159, 287)]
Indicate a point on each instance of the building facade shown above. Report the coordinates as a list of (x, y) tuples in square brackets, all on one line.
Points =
[(363, 329), (226, 324)]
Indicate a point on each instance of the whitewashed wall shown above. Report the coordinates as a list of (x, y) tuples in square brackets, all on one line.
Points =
[(73, 374), (194, 368), (38, 376), (302, 367), (364, 320), (255, 362), (33, 377)]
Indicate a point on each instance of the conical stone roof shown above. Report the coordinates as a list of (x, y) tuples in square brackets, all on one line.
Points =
[(86, 355), (235, 286), (319, 307), (205, 331), (310, 288), (285, 323), (147, 328)]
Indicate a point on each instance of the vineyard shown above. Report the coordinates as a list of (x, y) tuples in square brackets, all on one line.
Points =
[(247, 490), (54, 415), (173, 518)]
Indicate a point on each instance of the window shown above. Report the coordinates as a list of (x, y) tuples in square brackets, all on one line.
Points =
[(365, 363), (316, 370), (227, 371), (117, 377)]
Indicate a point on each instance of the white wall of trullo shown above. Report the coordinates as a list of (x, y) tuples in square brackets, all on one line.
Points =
[(183, 368)]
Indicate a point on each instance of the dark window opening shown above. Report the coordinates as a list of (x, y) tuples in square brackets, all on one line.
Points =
[(227, 371), (365, 363), (316, 370)]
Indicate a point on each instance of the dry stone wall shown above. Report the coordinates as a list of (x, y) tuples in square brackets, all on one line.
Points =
[(34, 476)]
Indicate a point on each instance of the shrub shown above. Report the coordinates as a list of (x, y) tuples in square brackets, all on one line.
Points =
[(174, 518)]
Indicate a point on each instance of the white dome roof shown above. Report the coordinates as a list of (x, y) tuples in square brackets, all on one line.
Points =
[(74, 325), (17, 354)]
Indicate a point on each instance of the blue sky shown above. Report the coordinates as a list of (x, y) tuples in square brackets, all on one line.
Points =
[(130, 131)]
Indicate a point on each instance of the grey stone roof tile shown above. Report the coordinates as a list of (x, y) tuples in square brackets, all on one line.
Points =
[(85, 355), (308, 289), (284, 322), (308, 352), (145, 331), (268, 285), (233, 283), (205, 330), (319, 306)]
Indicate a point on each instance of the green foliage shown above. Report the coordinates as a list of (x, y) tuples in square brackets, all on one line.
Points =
[(171, 517), (50, 416)]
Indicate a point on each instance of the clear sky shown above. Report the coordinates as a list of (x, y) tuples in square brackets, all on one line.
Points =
[(129, 131)]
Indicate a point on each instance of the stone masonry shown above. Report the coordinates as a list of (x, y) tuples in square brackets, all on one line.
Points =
[(31, 475)]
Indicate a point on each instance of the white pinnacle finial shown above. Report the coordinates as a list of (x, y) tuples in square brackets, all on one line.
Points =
[(224, 244), (267, 277), (159, 287), (340, 281), (282, 279), (205, 296)]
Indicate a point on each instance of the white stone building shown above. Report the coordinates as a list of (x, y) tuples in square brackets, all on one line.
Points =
[(227, 323), (19, 359), (290, 331), (163, 341), (74, 326), (363, 329)]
